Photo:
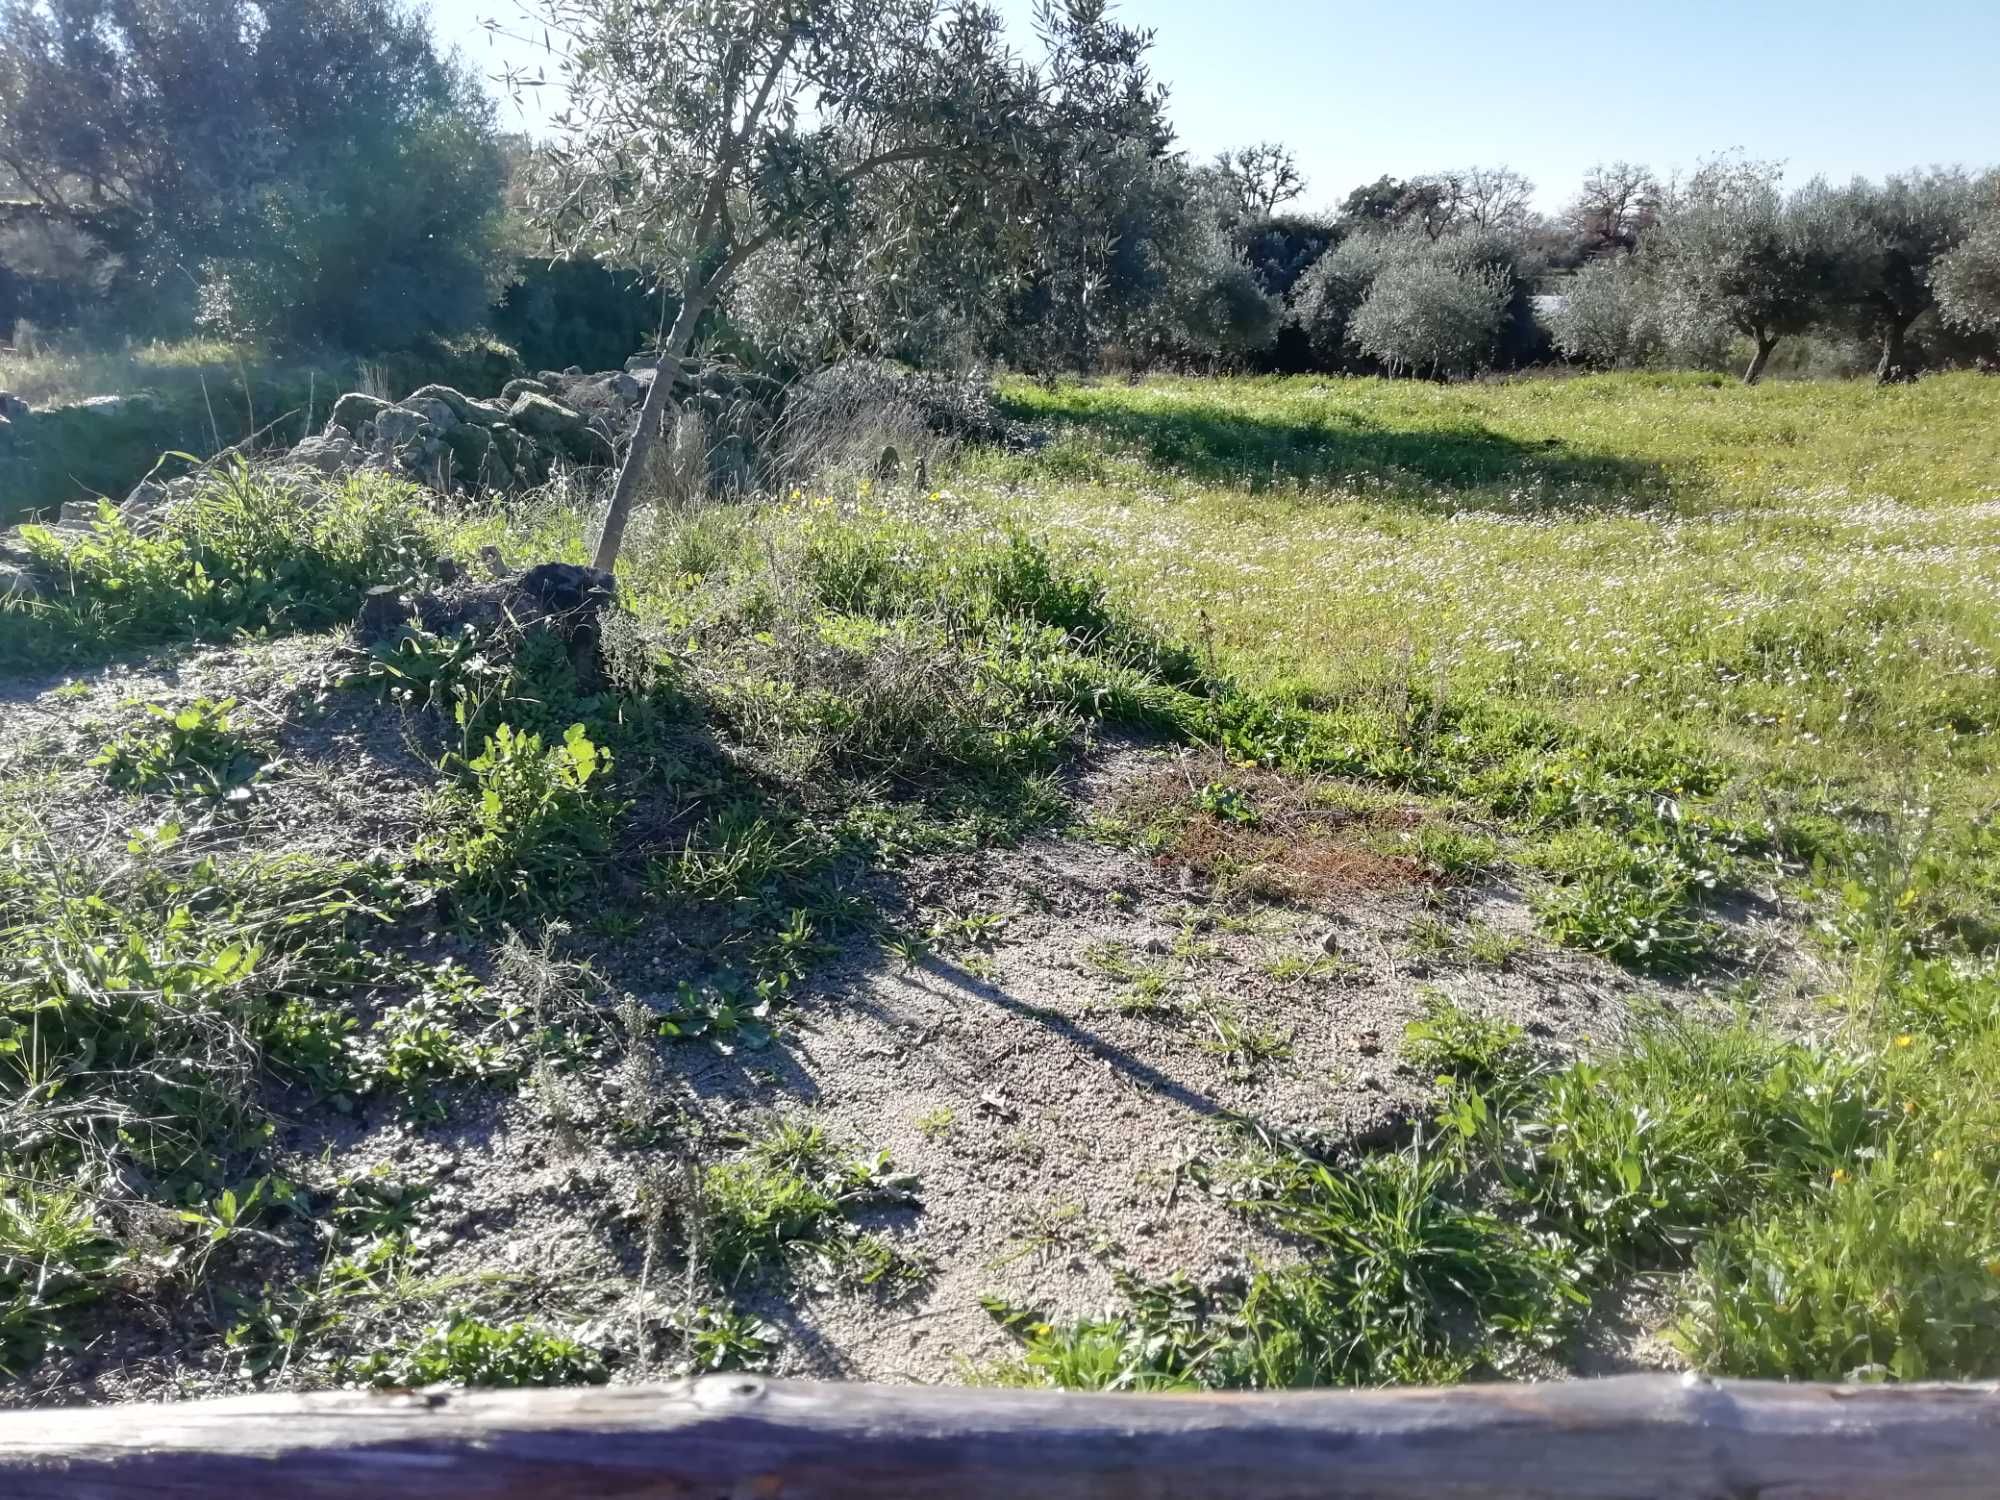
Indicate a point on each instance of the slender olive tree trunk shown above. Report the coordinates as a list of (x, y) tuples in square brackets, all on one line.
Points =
[(625, 494), (1894, 364), (1765, 344)]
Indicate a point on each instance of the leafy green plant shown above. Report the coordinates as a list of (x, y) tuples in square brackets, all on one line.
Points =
[(1403, 1278), (721, 1338), (246, 552), (191, 751), (54, 1257), (422, 669), (232, 1216), (1449, 1038), (526, 827), (789, 1196), (1230, 803), (1686, 1128), (465, 1350), (451, 1029)]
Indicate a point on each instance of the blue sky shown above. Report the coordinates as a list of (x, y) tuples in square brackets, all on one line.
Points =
[(1837, 87)]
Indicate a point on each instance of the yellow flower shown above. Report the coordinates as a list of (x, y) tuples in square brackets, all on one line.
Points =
[(1993, 1268), (1904, 1040), (1840, 1174)]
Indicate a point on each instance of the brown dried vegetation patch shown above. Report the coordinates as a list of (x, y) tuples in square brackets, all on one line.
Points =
[(1256, 834)]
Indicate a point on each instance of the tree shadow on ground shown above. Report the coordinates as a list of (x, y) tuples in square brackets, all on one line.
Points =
[(1447, 466)]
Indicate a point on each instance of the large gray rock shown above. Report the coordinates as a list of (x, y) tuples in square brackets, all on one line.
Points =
[(19, 582), (486, 413), (526, 459), (478, 460), (20, 576), (456, 401), (513, 390), (356, 411), (332, 452), (398, 427), (544, 417), (438, 413)]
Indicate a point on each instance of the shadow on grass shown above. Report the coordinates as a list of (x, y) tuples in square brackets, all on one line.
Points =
[(1465, 462)]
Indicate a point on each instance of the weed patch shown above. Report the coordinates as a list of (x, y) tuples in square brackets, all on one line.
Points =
[(243, 555)]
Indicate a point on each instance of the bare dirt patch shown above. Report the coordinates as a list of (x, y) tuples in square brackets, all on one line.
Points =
[(1066, 1066)]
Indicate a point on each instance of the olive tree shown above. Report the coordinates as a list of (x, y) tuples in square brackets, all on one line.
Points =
[(1912, 220), (1734, 248), (1967, 279), (1329, 294), (699, 132), (1428, 315), (1607, 315)]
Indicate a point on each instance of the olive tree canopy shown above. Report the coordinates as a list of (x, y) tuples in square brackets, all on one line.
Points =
[(1967, 280), (1735, 248), (1912, 219), (699, 132)]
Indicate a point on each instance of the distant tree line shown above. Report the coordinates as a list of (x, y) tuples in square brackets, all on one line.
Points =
[(314, 171)]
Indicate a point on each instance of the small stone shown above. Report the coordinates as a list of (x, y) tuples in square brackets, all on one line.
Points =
[(384, 611), (1329, 943), (1369, 1043)]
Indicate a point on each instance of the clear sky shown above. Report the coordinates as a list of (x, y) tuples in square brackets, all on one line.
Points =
[(1837, 87)]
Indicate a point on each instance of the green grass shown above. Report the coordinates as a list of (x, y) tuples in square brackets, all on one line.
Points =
[(1682, 641), (787, 1200), (246, 556), (1666, 644)]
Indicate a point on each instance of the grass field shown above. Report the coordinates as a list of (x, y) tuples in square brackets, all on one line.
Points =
[(1685, 637), (1705, 676)]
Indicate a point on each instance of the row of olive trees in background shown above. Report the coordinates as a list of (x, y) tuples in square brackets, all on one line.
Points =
[(1732, 252), (305, 169), (901, 179)]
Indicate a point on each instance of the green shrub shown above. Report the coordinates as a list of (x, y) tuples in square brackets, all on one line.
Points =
[(525, 826)]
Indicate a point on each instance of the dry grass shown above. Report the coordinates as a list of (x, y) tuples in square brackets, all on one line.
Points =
[(1255, 834)]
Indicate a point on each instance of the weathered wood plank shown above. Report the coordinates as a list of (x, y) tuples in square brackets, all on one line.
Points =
[(1644, 1437)]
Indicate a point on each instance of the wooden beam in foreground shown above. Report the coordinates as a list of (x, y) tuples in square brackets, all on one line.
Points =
[(1645, 1437)]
